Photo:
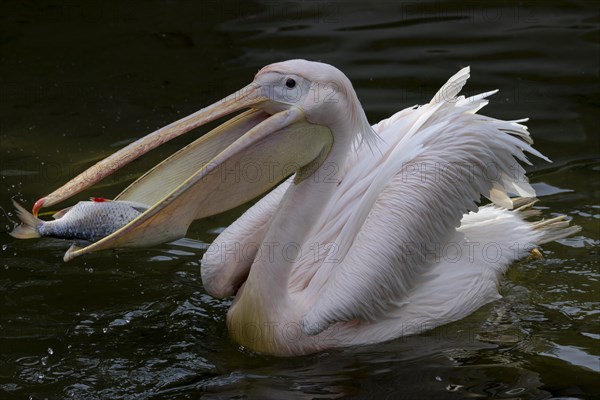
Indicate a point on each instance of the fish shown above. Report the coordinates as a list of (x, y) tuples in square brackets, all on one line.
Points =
[(86, 220)]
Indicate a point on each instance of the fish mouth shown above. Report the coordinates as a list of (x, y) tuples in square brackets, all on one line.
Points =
[(232, 164)]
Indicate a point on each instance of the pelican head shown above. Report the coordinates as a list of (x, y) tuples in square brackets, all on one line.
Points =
[(321, 91), (294, 110)]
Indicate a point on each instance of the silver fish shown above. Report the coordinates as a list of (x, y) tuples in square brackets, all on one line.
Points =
[(86, 220)]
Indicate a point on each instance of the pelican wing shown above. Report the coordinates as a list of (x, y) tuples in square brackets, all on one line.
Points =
[(438, 161), (227, 261)]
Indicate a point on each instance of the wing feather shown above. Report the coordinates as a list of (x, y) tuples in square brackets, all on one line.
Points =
[(436, 163), (227, 261)]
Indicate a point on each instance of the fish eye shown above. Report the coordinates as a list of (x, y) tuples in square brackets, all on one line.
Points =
[(290, 83)]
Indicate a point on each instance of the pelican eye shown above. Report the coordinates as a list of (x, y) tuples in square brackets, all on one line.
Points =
[(290, 83)]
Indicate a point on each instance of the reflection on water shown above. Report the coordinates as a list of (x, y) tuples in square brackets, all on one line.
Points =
[(80, 82)]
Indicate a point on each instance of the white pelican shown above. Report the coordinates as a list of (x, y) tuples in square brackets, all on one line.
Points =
[(376, 235)]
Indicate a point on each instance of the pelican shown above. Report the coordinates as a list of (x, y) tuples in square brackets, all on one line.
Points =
[(368, 232)]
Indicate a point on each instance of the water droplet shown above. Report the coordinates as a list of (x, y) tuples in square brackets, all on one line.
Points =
[(453, 388), (515, 391), (50, 351), (44, 360), (104, 330), (4, 246)]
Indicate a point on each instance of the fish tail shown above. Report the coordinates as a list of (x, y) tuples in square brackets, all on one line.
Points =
[(30, 225)]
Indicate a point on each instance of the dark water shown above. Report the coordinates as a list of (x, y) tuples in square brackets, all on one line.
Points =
[(77, 82)]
